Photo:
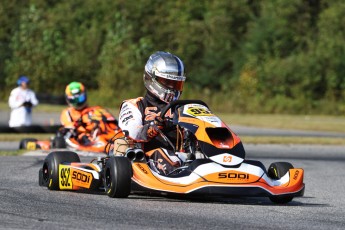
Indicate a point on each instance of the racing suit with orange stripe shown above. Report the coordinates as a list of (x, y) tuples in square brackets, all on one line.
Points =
[(86, 121), (135, 118)]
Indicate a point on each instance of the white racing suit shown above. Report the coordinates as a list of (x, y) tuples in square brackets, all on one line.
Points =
[(135, 118), (21, 115)]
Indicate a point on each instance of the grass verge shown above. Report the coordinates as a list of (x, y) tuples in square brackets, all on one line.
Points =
[(280, 121), (19, 136), (12, 152), (294, 122), (292, 140), (47, 108)]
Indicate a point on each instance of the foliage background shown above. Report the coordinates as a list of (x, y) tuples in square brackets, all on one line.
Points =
[(282, 56)]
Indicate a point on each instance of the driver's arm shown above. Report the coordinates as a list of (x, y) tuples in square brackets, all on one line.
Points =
[(66, 120), (130, 120)]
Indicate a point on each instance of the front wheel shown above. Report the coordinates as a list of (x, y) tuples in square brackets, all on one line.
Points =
[(276, 171), (117, 177), (49, 173)]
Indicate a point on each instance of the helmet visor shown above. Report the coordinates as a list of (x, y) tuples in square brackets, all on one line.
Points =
[(77, 99), (171, 84)]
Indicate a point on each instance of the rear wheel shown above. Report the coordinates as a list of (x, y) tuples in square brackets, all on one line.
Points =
[(117, 177), (59, 142), (276, 171), (49, 174)]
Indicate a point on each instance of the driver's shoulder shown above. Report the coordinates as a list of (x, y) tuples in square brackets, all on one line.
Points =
[(134, 102)]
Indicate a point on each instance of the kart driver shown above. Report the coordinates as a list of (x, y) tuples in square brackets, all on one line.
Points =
[(139, 118), (82, 121)]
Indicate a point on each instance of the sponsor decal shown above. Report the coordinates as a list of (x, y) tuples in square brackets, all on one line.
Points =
[(142, 168), (296, 175), (65, 181), (31, 145), (230, 176), (152, 112), (81, 178), (127, 118), (198, 111), (227, 158), (125, 114), (170, 76)]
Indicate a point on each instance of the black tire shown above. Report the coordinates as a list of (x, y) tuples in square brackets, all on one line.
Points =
[(117, 177), (23, 144), (59, 142), (50, 169), (276, 171), (40, 178)]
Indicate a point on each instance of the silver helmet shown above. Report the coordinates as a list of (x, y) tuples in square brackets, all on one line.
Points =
[(164, 76)]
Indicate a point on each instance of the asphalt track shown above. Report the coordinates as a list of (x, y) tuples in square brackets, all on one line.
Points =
[(25, 205)]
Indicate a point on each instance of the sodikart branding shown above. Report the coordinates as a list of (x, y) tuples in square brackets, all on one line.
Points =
[(230, 176), (142, 168), (81, 178), (227, 158)]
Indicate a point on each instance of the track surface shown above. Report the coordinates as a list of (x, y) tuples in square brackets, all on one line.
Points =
[(23, 204)]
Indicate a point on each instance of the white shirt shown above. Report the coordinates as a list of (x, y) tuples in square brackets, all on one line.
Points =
[(20, 115), (130, 119)]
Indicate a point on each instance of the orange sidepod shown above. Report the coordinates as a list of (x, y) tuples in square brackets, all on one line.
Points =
[(73, 177), (143, 176)]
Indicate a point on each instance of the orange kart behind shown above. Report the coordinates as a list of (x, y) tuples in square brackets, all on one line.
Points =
[(216, 165), (95, 122)]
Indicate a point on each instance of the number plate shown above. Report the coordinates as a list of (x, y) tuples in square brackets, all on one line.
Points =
[(65, 181)]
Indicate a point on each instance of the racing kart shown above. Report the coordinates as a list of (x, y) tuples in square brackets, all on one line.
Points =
[(102, 132), (215, 166)]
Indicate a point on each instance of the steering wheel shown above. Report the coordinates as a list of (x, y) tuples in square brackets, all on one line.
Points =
[(175, 104)]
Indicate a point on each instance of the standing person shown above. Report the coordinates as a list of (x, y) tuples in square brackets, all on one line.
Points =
[(21, 101), (163, 79)]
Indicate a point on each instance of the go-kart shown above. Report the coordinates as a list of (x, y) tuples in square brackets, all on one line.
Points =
[(59, 141), (215, 166), (103, 130)]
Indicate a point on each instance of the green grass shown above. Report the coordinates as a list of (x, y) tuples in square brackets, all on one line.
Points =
[(297, 122), (12, 152), (19, 136), (47, 108), (40, 108), (292, 140)]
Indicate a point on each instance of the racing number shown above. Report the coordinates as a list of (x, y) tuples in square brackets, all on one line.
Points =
[(199, 112), (65, 177), (31, 145)]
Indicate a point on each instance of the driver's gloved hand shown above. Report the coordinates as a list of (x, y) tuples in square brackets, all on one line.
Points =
[(27, 104), (157, 123), (84, 140)]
